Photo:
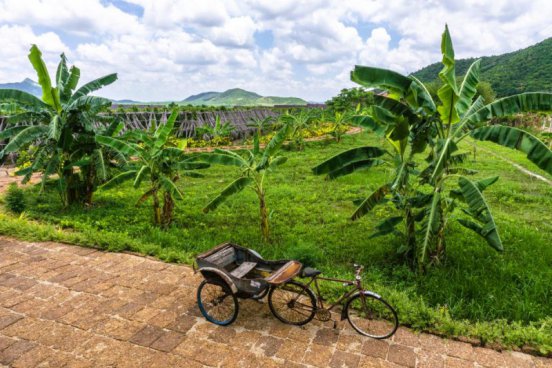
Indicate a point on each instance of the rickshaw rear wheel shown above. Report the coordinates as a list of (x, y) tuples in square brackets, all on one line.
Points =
[(216, 302)]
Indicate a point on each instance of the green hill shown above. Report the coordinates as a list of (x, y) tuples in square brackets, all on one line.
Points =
[(525, 70), (27, 85), (240, 97)]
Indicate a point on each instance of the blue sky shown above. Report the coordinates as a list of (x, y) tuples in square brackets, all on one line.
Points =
[(169, 49)]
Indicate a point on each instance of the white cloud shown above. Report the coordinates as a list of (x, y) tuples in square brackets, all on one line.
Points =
[(178, 47), (16, 42), (81, 17)]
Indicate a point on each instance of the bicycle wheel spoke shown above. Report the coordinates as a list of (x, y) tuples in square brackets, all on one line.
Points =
[(292, 303), (218, 305), (371, 316)]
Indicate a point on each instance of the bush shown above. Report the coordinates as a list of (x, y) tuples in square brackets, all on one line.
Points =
[(15, 199)]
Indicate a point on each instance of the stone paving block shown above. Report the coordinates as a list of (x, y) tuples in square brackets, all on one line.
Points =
[(460, 350), (375, 348), (452, 362), (489, 358), (433, 343), (15, 350), (517, 359), (406, 337), (147, 335), (9, 319), (268, 345), (318, 355), (32, 357), (163, 319), (168, 341), (326, 336), (182, 323), (118, 328), (5, 342), (292, 350), (428, 360), (402, 355), (342, 359), (349, 342)]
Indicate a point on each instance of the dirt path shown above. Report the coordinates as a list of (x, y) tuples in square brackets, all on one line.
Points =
[(68, 306)]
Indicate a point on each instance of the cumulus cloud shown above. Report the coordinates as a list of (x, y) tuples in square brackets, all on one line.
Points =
[(172, 48)]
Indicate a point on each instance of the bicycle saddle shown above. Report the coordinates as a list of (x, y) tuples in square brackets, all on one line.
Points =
[(310, 272)]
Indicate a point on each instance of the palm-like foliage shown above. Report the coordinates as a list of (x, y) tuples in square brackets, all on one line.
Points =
[(413, 123), (62, 124), (152, 158), (299, 122), (219, 130), (260, 126), (253, 170), (340, 120)]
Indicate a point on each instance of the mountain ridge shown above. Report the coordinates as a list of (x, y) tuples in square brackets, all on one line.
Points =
[(525, 70)]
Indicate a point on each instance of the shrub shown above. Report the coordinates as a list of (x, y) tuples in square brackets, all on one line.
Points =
[(15, 199)]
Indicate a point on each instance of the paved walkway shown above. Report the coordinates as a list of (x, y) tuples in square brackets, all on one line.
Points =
[(68, 306)]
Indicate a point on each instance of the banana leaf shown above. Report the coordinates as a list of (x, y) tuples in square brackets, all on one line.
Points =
[(537, 152), (468, 88), (93, 86), (235, 187), (377, 197), (348, 157), (480, 211)]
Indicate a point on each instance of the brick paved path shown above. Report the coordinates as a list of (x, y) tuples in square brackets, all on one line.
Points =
[(67, 306)]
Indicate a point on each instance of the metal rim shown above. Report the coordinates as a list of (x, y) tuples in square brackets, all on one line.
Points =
[(371, 316), (292, 303), (217, 303)]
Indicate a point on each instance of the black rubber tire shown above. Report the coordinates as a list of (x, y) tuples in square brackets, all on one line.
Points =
[(306, 291), (227, 294), (391, 314)]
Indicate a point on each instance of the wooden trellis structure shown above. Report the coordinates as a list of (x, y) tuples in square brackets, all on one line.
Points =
[(189, 121)]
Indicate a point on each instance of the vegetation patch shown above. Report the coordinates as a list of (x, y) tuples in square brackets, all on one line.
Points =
[(477, 292)]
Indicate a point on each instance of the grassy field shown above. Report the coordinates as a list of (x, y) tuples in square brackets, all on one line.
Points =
[(477, 292)]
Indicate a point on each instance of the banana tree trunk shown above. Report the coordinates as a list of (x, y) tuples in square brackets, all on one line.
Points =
[(263, 210), (168, 208), (89, 185), (156, 210)]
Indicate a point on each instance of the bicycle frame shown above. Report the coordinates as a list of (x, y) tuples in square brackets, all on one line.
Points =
[(357, 287)]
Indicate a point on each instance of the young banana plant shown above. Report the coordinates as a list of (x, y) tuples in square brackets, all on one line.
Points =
[(152, 158), (62, 125), (254, 167), (414, 124)]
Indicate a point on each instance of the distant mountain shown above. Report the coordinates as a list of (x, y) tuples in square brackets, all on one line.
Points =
[(525, 70), (240, 97), (126, 102), (27, 85)]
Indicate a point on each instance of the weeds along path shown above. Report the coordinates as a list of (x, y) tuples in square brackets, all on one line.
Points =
[(64, 305)]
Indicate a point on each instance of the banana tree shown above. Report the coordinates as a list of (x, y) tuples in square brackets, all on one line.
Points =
[(260, 126), (340, 120), (153, 158), (414, 124), (62, 125), (254, 169), (299, 122)]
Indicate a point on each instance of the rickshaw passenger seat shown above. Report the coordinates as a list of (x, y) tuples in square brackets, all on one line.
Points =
[(243, 269)]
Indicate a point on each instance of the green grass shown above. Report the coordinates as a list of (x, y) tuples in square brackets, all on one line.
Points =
[(502, 297)]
